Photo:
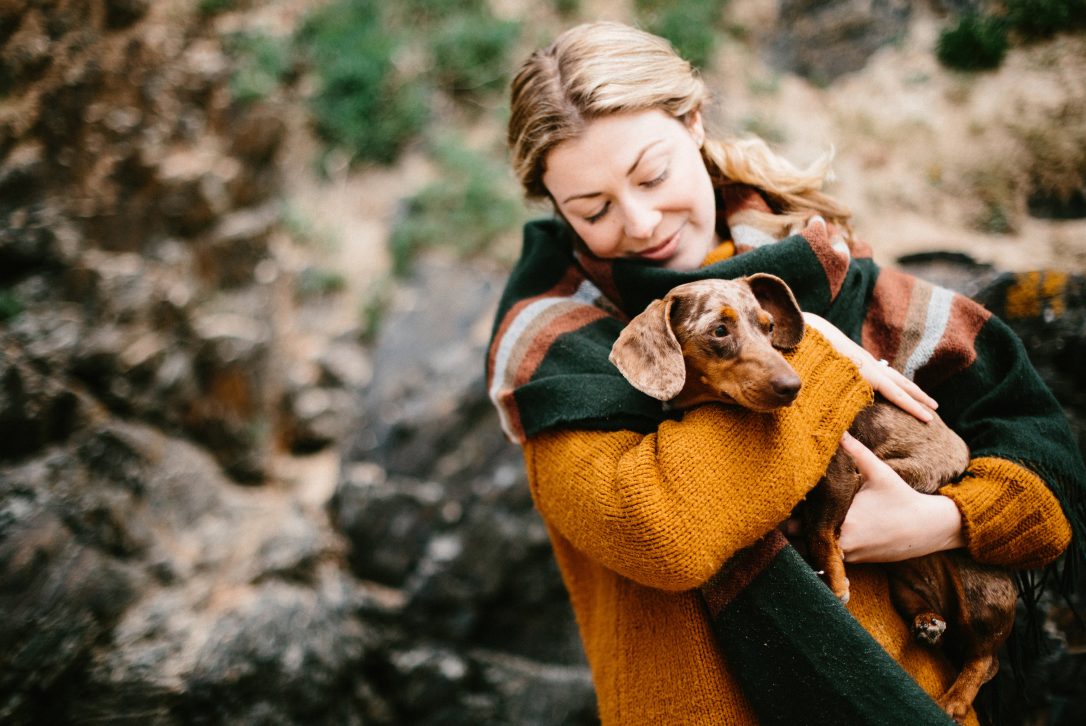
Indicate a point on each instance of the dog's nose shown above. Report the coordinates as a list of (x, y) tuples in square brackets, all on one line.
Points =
[(786, 385)]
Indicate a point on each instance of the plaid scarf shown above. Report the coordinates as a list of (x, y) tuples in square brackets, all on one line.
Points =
[(799, 656)]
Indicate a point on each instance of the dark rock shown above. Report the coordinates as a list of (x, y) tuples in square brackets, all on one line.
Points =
[(409, 421), (35, 410), (316, 417), (1047, 205), (953, 270), (387, 523), (824, 39), (122, 13), (28, 241), (257, 134)]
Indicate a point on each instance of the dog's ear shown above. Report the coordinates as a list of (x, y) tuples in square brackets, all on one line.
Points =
[(774, 295), (647, 353)]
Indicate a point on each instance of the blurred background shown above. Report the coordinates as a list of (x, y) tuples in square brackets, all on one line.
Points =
[(249, 258)]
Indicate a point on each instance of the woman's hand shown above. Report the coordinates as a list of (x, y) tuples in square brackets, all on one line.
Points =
[(894, 387), (889, 520)]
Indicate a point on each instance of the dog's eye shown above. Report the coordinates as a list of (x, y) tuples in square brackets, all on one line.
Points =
[(720, 331)]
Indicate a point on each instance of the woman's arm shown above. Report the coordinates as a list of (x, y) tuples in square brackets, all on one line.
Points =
[(668, 508)]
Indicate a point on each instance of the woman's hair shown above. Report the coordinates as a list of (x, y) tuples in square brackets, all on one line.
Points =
[(597, 69)]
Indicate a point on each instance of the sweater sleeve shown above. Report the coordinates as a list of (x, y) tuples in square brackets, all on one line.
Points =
[(668, 508), (1009, 516)]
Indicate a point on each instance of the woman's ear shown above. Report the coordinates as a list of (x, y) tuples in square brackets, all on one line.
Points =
[(697, 128)]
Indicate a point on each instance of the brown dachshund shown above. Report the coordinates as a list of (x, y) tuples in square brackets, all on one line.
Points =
[(720, 341)]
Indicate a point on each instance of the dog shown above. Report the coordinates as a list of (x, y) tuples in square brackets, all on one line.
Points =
[(721, 341)]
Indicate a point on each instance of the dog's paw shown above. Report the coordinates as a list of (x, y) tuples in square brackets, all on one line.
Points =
[(843, 594), (928, 628), (956, 708)]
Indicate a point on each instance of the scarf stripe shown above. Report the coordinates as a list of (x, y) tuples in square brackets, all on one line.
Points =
[(936, 317), (885, 320), (925, 331), (525, 337), (957, 350)]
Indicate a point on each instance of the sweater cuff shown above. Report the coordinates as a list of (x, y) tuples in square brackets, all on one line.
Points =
[(1009, 516)]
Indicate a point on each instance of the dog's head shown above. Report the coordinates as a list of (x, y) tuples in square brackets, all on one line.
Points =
[(715, 340)]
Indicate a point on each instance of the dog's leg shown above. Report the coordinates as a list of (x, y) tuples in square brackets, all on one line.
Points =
[(977, 670), (916, 588), (828, 504)]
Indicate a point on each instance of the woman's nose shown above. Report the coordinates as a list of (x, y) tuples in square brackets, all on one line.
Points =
[(641, 221)]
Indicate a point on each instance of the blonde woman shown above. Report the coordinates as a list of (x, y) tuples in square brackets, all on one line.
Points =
[(691, 606)]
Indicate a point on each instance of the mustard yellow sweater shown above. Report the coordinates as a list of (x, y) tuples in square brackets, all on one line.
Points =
[(639, 521)]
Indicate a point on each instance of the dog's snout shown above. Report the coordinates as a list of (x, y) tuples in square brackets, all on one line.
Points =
[(786, 385)]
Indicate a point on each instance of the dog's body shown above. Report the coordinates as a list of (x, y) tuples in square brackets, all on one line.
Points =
[(719, 340)]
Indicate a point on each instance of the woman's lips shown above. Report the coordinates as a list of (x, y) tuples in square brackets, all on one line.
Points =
[(664, 250)]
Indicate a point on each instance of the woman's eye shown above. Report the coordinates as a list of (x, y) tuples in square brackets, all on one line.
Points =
[(659, 179), (598, 215), (720, 331)]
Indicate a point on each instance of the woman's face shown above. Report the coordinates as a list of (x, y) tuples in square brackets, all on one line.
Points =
[(634, 185)]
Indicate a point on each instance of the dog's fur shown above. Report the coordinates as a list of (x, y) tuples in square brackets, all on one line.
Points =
[(720, 341)]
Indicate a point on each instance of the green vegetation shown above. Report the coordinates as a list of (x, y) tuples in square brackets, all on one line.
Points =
[(1044, 18), (692, 26), (372, 309), (467, 209), (363, 103), (313, 282), (976, 43), (213, 7), (979, 40), (567, 8), (10, 305), (471, 54), (378, 64), (261, 64)]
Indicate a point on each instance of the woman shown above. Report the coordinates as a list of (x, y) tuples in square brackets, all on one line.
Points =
[(690, 607)]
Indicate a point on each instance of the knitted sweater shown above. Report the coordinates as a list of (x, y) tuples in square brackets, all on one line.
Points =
[(691, 608)]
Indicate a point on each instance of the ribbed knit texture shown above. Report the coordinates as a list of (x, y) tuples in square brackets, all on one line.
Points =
[(1009, 517)]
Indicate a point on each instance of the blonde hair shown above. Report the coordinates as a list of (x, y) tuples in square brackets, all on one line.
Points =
[(603, 68)]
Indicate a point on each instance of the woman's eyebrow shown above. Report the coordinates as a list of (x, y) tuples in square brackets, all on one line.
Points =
[(629, 171)]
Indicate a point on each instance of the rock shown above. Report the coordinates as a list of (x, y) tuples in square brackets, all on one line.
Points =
[(317, 417), (237, 245), (35, 410), (122, 13), (430, 336), (823, 39)]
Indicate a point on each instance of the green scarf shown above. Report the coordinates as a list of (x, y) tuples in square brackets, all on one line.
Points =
[(798, 654)]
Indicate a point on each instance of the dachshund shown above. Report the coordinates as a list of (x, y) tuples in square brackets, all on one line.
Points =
[(721, 341)]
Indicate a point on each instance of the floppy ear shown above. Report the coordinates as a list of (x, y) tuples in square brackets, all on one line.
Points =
[(648, 353), (776, 298)]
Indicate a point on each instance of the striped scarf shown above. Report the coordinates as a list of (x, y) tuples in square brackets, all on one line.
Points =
[(789, 639)]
